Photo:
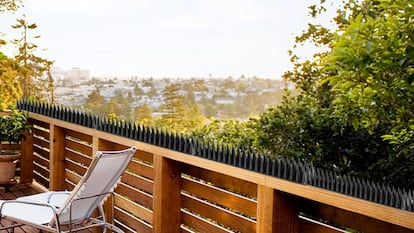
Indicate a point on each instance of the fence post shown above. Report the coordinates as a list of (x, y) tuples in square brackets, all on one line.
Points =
[(26, 158), (167, 195), (265, 206), (57, 158)]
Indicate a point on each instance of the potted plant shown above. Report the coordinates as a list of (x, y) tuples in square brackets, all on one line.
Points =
[(13, 129)]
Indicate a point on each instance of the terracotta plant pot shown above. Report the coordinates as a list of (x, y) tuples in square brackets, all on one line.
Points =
[(8, 167)]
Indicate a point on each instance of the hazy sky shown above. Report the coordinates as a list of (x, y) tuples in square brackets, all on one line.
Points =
[(164, 38)]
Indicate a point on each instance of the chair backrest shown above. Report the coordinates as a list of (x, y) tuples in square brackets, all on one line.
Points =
[(101, 177)]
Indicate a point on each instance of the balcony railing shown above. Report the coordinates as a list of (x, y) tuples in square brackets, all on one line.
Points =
[(176, 184)]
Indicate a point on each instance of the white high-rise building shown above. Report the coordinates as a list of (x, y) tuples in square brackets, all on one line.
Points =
[(57, 73), (72, 76), (78, 74)]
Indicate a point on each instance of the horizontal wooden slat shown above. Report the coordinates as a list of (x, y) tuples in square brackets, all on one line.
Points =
[(138, 182), (346, 218), (75, 167), (125, 228), (307, 225), (41, 161), (142, 169), (221, 197), (41, 179), (41, 133), (41, 124), (110, 145), (41, 170), (41, 152), (41, 142), (72, 177), (201, 225), (223, 181), (12, 146), (80, 136), (184, 229), (144, 156), (133, 208), (135, 195), (69, 186), (345, 202), (218, 214), (79, 147), (133, 222), (79, 158)]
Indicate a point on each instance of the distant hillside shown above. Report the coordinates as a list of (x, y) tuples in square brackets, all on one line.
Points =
[(226, 98)]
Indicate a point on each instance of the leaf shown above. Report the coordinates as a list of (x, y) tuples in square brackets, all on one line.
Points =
[(355, 123), (368, 46)]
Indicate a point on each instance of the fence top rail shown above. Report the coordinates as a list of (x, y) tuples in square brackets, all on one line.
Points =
[(283, 168)]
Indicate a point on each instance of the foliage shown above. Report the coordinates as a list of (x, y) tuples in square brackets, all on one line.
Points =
[(177, 116), (230, 132), (372, 67), (353, 113), (300, 128), (143, 115), (24, 75), (10, 5), (94, 101), (118, 105), (33, 71), (13, 127), (173, 106), (10, 87)]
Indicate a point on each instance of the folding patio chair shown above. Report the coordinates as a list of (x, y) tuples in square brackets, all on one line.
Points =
[(63, 211)]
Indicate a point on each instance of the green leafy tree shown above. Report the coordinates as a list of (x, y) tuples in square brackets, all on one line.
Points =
[(238, 134), (138, 90), (10, 87), (190, 99), (176, 116), (153, 92), (33, 71), (94, 102), (371, 71), (113, 108), (200, 85), (173, 107), (210, 110), (119, 105), (143, 114), (193, 119), (352, 112)]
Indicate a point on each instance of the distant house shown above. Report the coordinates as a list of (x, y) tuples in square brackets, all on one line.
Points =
[(70, 77), (78, 74), (224, 101)]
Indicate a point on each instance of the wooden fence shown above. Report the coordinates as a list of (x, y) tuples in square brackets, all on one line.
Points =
[(165, 190)]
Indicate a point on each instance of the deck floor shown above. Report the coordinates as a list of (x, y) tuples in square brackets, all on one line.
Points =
[(20, 190)]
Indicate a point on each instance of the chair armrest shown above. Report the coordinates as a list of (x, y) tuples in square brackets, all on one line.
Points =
[(27, 203), (12, 212)]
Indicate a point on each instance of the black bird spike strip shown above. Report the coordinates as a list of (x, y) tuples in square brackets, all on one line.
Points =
[(284, 168)]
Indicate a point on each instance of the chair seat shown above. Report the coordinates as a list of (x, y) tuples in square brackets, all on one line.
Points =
[(32, 213)]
